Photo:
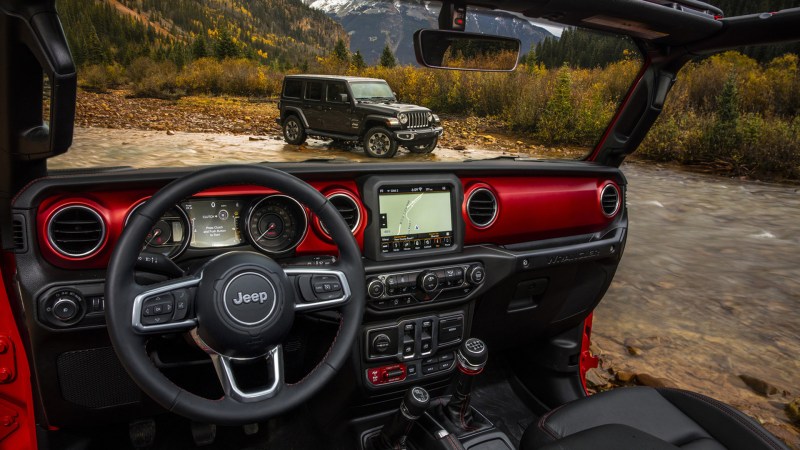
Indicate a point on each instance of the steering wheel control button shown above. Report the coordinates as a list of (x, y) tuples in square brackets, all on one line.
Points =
[(249, 298)]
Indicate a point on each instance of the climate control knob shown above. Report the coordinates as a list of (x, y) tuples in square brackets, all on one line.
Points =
[(375, 288), (476, 274), (428, 281)]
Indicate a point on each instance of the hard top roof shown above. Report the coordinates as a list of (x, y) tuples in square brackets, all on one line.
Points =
[(334, 77)]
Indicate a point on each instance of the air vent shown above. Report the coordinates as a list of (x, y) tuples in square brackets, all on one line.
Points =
[(76, 231), (18, 234), (348, 208), (482, 207), (609, 200)]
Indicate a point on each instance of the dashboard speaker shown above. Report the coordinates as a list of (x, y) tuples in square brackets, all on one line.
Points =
[(95, 378)]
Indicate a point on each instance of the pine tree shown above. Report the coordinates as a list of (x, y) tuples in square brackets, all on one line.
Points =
[(200, 47), (341, 52), (225, 47), (387, 58), (358, 61)]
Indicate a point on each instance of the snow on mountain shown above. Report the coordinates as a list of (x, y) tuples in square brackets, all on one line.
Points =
[(371, 24)]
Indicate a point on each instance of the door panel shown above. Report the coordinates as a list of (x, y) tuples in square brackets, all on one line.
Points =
[(337, 113), (313, 105)]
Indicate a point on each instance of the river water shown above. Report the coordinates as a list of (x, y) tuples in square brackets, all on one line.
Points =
[(708, 288)]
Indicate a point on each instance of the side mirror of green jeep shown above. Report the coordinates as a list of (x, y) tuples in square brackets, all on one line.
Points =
[(344, 98)]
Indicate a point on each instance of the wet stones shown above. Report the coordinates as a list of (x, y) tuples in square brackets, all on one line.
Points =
[(793, 411), (760, 386)]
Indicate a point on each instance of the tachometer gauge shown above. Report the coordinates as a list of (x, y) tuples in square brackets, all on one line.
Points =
[(276, 224), (170, 234)]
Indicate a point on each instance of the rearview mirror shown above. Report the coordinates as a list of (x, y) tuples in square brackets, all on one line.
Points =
[(443, 49), (343, 98)]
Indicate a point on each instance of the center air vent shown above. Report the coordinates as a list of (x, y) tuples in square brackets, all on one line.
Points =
[(348, 208), (76, 231), (482, 207), (609, 200)]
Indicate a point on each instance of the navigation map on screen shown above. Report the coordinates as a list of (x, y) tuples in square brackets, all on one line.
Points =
[(415, 217)]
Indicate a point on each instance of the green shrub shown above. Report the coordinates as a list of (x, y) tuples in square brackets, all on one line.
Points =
[(100, 77)]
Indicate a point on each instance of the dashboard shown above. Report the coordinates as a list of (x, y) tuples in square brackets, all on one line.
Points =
[(507, 251)]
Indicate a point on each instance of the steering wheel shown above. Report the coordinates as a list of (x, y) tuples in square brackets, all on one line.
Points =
[(238, 307)]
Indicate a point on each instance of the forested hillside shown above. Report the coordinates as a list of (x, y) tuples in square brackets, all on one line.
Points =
[(277, 32)]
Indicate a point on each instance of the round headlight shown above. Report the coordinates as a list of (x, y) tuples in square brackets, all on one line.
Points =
[(403, 118), (430, 116)]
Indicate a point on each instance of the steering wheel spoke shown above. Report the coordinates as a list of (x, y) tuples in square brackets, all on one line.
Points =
[(319, 288), (271, 364), (166, 307)]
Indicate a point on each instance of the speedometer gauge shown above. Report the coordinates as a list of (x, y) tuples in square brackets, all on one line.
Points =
[(276, 224), (169, 235)]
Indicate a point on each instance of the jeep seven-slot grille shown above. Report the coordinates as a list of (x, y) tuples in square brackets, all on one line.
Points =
[(417, 120)]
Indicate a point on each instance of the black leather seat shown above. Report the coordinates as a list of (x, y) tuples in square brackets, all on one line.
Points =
[(647, 418)]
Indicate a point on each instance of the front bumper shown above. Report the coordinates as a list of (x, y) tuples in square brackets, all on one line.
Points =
[(418, 133)]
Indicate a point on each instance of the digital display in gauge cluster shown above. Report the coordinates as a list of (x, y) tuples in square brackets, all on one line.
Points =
[(214, 222)]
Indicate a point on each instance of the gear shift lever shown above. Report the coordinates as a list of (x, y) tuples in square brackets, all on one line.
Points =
[(470, 360), (394, 434)]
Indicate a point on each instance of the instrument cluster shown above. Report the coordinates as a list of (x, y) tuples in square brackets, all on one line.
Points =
[(274, 224)]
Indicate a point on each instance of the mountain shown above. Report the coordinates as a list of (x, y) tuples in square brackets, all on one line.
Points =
[(282, 31), (372, 24)]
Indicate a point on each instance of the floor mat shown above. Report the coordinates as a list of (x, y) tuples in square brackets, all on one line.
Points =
[(495, 397)]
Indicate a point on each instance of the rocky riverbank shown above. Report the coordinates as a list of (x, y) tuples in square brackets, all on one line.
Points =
[(706, 296), (256, 117)]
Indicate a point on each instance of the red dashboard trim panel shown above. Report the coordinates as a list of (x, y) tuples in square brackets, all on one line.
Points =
[(538, 208), (530, 208)]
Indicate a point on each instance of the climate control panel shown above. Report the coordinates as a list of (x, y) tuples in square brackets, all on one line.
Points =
[(398, 289)]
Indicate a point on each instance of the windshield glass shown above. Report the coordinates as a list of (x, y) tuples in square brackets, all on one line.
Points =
[(164, 84), (371, 90)]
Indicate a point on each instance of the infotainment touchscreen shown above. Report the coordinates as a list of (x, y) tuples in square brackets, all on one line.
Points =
[(215, 222), (415, 217)]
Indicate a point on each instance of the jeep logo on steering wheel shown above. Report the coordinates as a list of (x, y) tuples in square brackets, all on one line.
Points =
[(249, 298), (255, 297)]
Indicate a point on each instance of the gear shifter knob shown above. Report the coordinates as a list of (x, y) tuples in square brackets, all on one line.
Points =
[(394, 434), (415, 402), (472, 356), (471, 359)]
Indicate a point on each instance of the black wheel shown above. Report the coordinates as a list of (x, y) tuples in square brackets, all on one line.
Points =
[(379, 143), (293, 131), (425, 147)]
